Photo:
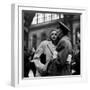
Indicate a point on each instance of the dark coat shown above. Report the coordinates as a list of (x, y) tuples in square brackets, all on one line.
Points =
[(60, 66)]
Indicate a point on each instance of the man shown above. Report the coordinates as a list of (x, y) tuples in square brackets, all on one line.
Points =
[(45, 52), (64, 49), (61, 66)]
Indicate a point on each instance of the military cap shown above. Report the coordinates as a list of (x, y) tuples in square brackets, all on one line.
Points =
[(62, 26)]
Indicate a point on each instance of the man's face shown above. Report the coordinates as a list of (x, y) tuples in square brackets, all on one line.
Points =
[(53, 35)]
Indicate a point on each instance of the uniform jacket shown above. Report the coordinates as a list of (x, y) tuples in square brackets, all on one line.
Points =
[(64, 48), (60, 66)]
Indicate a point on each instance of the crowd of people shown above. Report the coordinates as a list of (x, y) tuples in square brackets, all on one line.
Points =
[(54, 56)]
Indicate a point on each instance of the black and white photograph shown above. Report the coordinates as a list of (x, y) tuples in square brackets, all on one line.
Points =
[(45, 44), (50, 43)]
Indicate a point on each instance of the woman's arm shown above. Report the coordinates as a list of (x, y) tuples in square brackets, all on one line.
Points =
[(38, 53)]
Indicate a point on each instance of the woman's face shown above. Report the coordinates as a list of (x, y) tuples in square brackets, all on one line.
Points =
[(53, 35)]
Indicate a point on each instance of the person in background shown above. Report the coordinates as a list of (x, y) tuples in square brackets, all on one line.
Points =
[(26, 62), (76, 63), (45, 52)]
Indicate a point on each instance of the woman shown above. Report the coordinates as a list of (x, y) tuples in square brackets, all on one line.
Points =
[(47, 48)]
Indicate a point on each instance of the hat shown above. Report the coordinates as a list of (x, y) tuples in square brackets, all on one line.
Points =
[(63, 26)]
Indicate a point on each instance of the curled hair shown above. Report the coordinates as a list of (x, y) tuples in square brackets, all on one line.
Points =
[(49, 36)]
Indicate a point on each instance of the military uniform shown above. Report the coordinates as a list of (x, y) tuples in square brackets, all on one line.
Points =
[(61, 66), (64, 49)]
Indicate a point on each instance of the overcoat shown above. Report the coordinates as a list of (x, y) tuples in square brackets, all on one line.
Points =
[(60, 66)]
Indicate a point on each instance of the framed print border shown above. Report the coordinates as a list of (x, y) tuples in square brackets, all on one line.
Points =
[(16, 50)]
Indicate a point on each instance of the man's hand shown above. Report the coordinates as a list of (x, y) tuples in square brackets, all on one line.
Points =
[(69, 59)]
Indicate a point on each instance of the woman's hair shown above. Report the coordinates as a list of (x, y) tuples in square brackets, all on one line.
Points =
[(49, 36)]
